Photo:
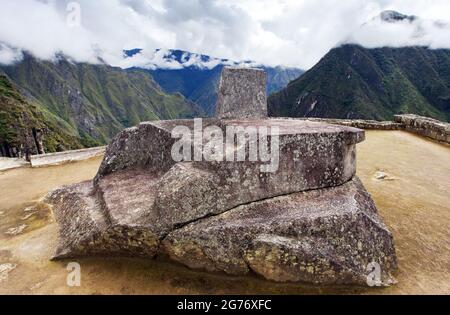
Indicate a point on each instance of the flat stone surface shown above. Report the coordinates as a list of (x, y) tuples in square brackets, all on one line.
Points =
[(242, 94), (360, 123), (326, 236), (288, 126), (66, 156), (128, 197)]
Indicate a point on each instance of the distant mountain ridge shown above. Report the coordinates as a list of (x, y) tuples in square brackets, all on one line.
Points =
[(93, 102), (394, 17), (196, 76), (21, 121), (84, 105)]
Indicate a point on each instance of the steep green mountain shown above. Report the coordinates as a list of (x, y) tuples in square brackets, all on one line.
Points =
[(355, 82), (279, 77), (96, 101), (198, 85), (21, 122)]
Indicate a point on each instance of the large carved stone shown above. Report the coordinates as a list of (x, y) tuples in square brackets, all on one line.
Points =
[(304, 218)]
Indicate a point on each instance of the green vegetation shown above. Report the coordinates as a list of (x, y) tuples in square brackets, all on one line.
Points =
[(18, 119), (92, 103), (354, 82)]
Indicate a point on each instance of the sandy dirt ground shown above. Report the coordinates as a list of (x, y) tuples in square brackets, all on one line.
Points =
[(408, 177)]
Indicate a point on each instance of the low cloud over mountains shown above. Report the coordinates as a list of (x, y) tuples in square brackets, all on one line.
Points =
[(284, 32)]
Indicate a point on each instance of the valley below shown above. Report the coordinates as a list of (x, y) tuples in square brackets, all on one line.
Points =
[(406, 175)]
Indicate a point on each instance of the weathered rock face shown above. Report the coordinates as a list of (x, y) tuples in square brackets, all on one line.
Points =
[(89, 225), (312, 156), (148, 144), (326, 236), (306, 218), (242, 94)]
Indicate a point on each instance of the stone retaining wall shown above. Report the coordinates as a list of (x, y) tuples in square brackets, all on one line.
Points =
[(362, 124), (11, 163), (427, 127), (65, 157), (423, 126)]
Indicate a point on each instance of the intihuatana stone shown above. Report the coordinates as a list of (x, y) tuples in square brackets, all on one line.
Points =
[(132, 189), (242, 94), (278, 197)]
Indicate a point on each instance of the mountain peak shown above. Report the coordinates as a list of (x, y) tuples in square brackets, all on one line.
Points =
[(179, 59), (391, 16), (131, 52)]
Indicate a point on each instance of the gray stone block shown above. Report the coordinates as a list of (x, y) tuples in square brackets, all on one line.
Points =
[(311, 156), (242, 94), (426, 127)]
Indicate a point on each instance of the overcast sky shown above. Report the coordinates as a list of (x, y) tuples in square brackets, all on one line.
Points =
[(273, 32)]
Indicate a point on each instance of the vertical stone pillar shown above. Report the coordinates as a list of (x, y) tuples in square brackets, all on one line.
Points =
[(242, 94), (38, 135)]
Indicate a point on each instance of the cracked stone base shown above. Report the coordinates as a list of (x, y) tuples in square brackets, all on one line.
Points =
[(325, 236)]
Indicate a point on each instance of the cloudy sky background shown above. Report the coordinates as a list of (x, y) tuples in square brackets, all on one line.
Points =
[(273, 32)]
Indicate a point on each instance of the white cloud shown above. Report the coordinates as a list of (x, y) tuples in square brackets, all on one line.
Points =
[(408, 32), (9, 55), (273, 32), (167, 59)]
